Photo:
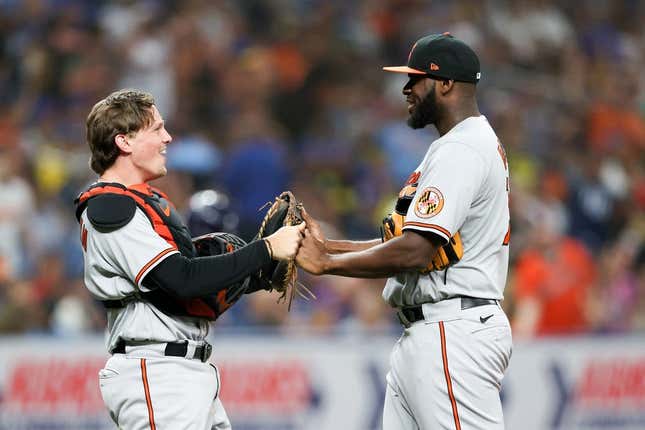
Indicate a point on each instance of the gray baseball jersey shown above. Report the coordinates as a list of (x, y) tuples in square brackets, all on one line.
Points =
[(141, 386), (115, 265), (446, 369), (462, 187)]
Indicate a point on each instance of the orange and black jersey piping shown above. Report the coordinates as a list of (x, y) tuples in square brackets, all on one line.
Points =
[(181, 284)]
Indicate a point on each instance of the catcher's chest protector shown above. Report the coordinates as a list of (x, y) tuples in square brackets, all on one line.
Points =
[(101, 198)]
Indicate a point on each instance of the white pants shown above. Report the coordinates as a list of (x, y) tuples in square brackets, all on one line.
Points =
[(446, 371), (146, 390)]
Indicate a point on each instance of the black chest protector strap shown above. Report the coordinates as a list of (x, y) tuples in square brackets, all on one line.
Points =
[(109, 212), (165, 221)]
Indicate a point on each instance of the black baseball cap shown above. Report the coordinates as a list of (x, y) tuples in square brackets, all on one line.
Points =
[(441, 56)]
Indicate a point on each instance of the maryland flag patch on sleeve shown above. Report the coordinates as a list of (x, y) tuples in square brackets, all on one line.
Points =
[(429, 203)]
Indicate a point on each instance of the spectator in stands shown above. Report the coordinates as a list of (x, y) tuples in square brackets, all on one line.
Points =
[(268, 85), (17, 201), (551, 285)]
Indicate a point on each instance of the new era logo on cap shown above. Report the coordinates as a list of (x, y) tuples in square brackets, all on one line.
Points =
[(441, 56)]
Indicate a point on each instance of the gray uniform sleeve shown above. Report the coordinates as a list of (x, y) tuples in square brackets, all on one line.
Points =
[(449, 182), (130, 251)]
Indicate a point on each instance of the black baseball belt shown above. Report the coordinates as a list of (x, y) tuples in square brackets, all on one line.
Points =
[(173, 349), (411, 314)]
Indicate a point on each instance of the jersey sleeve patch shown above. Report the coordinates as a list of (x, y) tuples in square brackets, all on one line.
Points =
[(429, 203), (109, 212)]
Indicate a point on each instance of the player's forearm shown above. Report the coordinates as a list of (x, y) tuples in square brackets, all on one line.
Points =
[(343, 246), (206, 276), (382, 260)]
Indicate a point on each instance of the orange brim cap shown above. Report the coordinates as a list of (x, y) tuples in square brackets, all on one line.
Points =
[(403, 69)]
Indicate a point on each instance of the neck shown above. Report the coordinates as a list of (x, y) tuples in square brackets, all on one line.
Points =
[(117, 180), (456, 114), (121, 174)]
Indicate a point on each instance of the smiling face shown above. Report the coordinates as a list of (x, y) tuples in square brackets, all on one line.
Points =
[(147, 148), (422, 103)]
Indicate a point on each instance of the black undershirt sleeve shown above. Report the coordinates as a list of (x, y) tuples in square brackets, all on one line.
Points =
[(205, 276)]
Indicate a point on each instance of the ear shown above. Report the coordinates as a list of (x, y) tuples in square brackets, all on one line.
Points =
[(445, 86), (121, 140)]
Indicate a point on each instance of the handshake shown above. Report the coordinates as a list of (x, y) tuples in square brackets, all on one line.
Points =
[(291, 237)]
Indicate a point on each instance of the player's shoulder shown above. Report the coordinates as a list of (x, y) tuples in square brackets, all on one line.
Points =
[(109, 212), (476, 137), (461, 150), (474, 128)]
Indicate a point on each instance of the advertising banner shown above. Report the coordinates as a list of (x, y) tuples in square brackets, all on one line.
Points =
[(571, 384), (268, 383), (324, 383)]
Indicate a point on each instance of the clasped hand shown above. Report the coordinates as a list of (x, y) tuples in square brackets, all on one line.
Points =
[(305, 242)]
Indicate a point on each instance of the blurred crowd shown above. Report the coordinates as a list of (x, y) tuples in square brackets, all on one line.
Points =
[(264, 96)]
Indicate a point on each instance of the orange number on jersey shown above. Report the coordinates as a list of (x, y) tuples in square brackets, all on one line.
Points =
[(502, 154), (507, 237)]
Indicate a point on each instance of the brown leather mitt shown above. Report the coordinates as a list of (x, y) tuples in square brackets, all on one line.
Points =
[(282, 276)]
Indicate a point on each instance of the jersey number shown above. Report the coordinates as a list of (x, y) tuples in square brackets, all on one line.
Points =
[(507, 237), (502, 154)]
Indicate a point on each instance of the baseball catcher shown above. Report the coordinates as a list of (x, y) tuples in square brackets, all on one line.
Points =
[(161, 289), (444, 251)]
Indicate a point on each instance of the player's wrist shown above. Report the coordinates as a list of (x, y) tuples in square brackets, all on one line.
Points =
[(267, 243), (334, 246), (328, 263)]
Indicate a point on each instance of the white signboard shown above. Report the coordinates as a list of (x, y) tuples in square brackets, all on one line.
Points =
[(325, 383)]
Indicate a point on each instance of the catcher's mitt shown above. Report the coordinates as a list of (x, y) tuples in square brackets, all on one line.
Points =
[(217, 244), (282, 275)]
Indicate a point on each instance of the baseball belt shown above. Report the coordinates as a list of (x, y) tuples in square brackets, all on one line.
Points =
[(174, 349), (411, 314)]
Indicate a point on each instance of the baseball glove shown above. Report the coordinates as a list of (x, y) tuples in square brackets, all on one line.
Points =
[(446, 256), (282, 276), (217, 244), (392, 226)]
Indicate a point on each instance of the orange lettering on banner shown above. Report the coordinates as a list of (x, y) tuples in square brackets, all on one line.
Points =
[(613, 383), (54, 385), (272, 387)]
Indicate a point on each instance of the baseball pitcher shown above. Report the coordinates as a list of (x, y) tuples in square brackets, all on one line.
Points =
[(445, 253)]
